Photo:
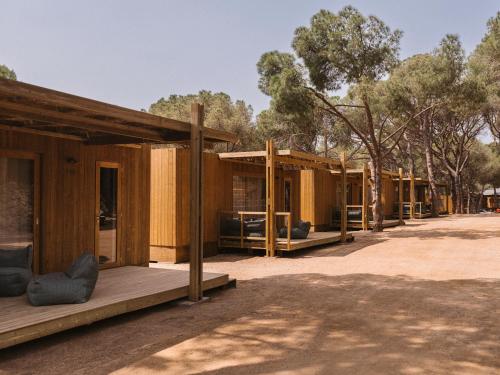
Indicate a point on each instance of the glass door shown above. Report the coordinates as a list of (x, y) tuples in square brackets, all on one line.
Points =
[(19, 201), (287, 195), (107, 214)]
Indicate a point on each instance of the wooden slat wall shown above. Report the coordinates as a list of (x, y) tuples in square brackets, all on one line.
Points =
[(307, 200), (388, 196), (317, 197), (170, 189), (68, 197)]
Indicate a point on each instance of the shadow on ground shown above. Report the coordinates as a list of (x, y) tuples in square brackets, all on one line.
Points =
[(307, 323), (441, 233)]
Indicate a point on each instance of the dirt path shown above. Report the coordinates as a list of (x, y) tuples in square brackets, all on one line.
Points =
[(419, 299)]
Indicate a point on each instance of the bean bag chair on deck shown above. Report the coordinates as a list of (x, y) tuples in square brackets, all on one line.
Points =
[(73, 286), (15, 271), (300, 232)]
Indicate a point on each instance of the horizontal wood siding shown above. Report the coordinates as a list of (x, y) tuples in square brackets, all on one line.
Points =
[(67, 224)]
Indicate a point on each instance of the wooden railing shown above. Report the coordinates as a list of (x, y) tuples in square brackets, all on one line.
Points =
[(288, 216), (419, 207), (241, 216)]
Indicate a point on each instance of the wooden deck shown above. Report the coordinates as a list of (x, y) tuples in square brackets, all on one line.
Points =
[(357, 224), (118, 291), (312, 240)]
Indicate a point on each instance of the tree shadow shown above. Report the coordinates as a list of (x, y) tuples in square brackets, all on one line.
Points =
[(302, 323), (441, 233)]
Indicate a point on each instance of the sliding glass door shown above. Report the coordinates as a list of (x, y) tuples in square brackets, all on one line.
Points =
[(19, 203)]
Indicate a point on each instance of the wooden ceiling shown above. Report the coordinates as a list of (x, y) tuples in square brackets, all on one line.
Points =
[(38, 110)]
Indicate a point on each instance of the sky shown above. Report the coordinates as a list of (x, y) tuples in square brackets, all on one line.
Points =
[(132, 53)]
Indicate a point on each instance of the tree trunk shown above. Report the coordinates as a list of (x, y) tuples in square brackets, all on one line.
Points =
[(378, 214), (460, 200), (495, 205), (468, 200), (479, 202), (411, 159), (429, 162)]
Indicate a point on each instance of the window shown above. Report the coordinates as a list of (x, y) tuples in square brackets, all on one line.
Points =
[(249, 193), (17, 202)]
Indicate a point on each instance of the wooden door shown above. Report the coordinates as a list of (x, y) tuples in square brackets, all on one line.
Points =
[(108, 215)]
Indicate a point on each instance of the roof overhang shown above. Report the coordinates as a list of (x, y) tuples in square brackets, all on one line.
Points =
[(292, 158), (33, 109), (385, 172)]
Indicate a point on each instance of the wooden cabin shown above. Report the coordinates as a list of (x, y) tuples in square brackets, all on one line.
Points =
[(75, 177), (416, 198), (359, 198), (236, 186), (491, 199)]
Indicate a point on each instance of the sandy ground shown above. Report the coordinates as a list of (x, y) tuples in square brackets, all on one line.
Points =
[(419, 299)]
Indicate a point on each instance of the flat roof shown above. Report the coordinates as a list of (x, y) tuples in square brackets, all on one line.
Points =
[(39, 110), (284, 157)]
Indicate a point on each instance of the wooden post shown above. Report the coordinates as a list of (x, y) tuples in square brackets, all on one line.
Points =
[(242, 227), (270, 200), (343, 212), (364, 210), (196, 205), (412, 195), (400, 198)]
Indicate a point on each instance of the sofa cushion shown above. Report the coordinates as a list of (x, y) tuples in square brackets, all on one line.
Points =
[(301, 231), (230, 227)]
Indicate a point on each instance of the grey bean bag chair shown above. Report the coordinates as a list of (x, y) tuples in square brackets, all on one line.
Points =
[(73, 286), (301, 231), (15, 271)]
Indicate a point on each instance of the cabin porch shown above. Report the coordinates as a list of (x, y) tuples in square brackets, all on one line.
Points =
[(283, 244), (118, 291)]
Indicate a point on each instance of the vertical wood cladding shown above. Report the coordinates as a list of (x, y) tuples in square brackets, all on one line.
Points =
[(67, 225)]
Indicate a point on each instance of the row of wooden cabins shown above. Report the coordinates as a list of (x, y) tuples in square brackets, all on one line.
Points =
[(81, 175), (300, 187)]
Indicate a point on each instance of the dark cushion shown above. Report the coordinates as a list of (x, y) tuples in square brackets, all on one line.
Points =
[(301, 231), (354, 214), (84, 267), (13, 281), (15, 271), (73, 286), (254, 227), (20, 257), (230, 227)]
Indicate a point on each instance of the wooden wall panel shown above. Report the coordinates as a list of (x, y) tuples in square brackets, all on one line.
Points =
[(170, 191), (307, 200), (389, 197), (68, 197), (317, 197)]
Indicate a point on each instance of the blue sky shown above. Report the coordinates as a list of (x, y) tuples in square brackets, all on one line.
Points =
[(132, 53)]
